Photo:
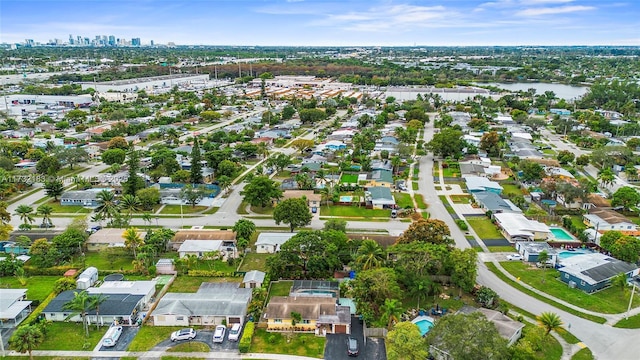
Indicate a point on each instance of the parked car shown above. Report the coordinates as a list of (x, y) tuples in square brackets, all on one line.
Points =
[(112, 336), (514, 257), (183, 334), (218, 334), (352, 346), (234, 333)]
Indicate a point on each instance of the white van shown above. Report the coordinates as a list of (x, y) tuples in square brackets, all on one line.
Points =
[(234, 333), (112, 336)]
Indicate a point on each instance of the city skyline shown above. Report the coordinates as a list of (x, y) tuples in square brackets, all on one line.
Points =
[(327, 23)]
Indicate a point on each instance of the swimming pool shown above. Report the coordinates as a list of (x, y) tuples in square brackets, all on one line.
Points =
[(346, 199), (568, 254), (424, 323), (561, 234)]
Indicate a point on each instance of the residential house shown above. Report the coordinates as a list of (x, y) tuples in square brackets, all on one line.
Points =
[(123, 308), (13, 306), (592, 272), (146, 289), (199, 248), (377, 178), (86, 198), (320, 315), (478, 183), (108, 237), (311, 167), (604, 220), (341, 135), (379, 197), (253, 279), (509, 329), (472, 140), (530, 250), (387, 143), (490, 201), (202, 234), (516, 227), (381, 165), (332, 145), (273, 134), (314, 159), (213, 304), (313, 200), (269, 242), (467, 170)]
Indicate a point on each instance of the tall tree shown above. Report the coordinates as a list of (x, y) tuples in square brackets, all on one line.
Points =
[(196, 163), (405, 342), (261, 191), (130, 204), (26, 338), (94, 303), (606, 177), (72, 156), (25, 212), (132, 240), (626, 197), (192, 194), (620, 281), (490, 142), (370, 255), (549, 322), (45, 210), (107, 206), (427, 230), (80, 305), (54, 188), (294, 212), (134, 181), (371, 288), (244, 229), (464, 268), (391, 312)]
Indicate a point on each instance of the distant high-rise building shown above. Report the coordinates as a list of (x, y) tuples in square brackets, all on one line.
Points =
[(135, 42), (79, 40), (151, 42), (112, 40), (71, 41), (87, 41)]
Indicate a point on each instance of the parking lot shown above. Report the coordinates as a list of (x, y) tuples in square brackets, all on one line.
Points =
[(203, 336), (336, 346)]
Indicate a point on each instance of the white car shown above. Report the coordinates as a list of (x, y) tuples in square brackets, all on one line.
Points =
[(218, 334), (234, 332), (514, 257), (184, 334)]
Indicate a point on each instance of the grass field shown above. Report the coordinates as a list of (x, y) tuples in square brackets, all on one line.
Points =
[(280, 288), (38, 287), (484, 228), (255, 261), (276, 343), (583, 354), (420, 201), (190, 284), (403, 200), (633, 322), (501, 249), (190, 346), (460, 199), (70, 336), (608, 301), (353, 211), (262, 210), (103, 260), (446, 204), (349, 179), (511, 189), (186, 209), (71, 209), (149, 336), (414, 186)]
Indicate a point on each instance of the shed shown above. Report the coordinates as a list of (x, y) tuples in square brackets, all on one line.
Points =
[(165, 266), (253, 279), (87, 278)]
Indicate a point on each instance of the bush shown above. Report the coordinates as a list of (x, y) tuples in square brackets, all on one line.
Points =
[(33, 317), (247, 335), (209, 273), (462, 225)]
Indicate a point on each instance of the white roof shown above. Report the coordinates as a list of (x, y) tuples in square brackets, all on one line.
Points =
[(254, 275), (9, 307), (200, 245), (124, 287), (522, 135), (480, 183), (519, 225), (273, 238)]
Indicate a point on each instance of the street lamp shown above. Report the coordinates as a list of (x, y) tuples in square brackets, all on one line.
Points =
[(626, 316)]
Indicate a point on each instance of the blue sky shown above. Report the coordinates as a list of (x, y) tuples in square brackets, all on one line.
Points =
[(331, 22)]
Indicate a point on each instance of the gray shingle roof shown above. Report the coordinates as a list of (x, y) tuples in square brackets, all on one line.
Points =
[(115, 305), (217, 299)]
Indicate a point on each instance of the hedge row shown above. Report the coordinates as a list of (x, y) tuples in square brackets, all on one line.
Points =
[(36, 313), (211, 273), (52, 271), (247, 335)]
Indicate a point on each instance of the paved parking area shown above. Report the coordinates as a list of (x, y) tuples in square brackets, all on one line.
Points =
[(203, 336), (128, 333), (336, 346)]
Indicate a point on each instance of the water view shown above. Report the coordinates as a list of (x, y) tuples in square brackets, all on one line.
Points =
[(562, 91)]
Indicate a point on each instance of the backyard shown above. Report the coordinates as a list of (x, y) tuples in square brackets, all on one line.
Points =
[(68, 209), (254, 261), (353, 211), (280, 288), (191, 284), (111, 259), (277, 343), (349, 179), (403, 200), (511, 189), (608, 301), (38, 287), (484, 228)]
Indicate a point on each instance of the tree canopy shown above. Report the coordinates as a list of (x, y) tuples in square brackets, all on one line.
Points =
[(427, 230), (294, 212)]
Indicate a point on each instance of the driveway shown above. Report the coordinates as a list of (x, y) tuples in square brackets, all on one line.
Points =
[(336, 346), (128, 333), (203, 336)]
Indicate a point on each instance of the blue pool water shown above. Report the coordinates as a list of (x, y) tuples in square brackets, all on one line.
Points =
[(568, 254), (561, 234), (345, 198), (424, 326)]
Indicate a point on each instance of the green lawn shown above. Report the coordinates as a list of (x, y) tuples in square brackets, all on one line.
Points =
[(484, 228), (186, 209), (353, 211), (149, 336), (608, 301), (242, 208), (551, 348), (276, 343), (451, 172), (511, 189), (217, 265), (69, 209), (518, 285), (349, 179), (280, 288), (633, 322), (108, 260), (420, 201), (262, 210), (70, 336), (583, 354), (38, 287), (501, 249), (460, 199), (255, 261), (446, 204), (211, 211), (403, 200), (414, 186), (190, 284), (190, 346)]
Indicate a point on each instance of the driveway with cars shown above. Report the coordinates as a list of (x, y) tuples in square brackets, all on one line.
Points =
[(128, 333), (203, 336), (336, 346)]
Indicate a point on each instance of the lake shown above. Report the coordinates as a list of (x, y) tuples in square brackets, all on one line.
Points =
[(562, 91)]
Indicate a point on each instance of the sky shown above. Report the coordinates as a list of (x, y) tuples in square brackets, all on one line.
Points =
[(328, 22)]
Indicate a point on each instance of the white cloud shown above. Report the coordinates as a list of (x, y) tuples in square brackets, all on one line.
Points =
[(553, 10), (539, 2)]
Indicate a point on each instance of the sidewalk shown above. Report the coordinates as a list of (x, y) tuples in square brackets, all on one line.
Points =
[(159, 354)]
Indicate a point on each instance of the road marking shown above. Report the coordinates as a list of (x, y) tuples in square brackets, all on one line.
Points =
[(582, 345)]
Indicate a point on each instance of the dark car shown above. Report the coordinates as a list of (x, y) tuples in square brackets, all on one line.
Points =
[(352, 347)]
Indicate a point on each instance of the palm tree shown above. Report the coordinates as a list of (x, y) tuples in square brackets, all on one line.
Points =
[(191, 260), (391, 310), (80, 305), (421, 286), (327, 193), (173, 136), (358, 193), (26, 214), (263, 149), (5, 216), (130, 203), (45, 210), (132, 240), (95, 302), (370, 255), (549, 321), (606, 177), (395, 162), (26, 338), (225, 183), (620, 281), (146, 217), (107, 205)]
